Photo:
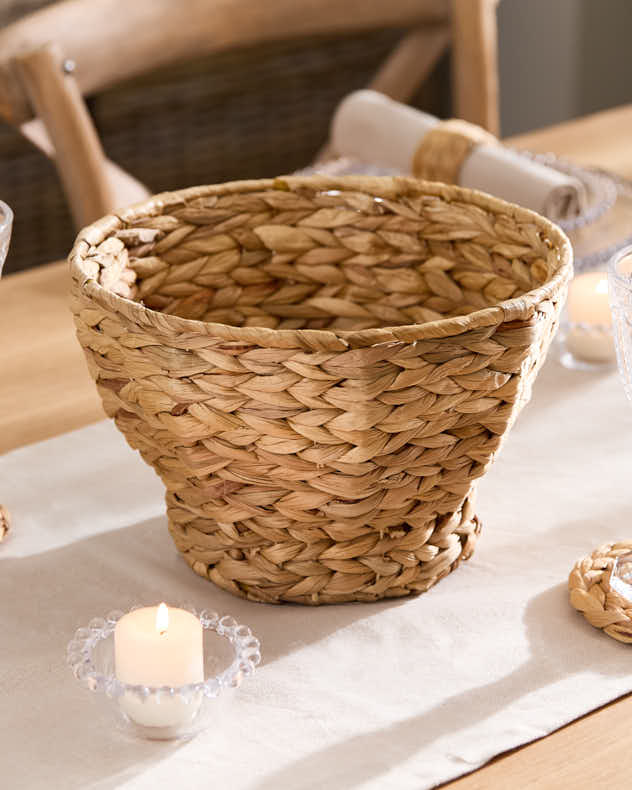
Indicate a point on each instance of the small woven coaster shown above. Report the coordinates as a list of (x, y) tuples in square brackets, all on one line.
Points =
[(591, 593), (5, 522)]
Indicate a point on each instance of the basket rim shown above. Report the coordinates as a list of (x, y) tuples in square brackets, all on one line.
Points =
[(388, 187)]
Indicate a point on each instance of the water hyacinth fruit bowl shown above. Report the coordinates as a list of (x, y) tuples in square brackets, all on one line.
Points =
[(319, 369)]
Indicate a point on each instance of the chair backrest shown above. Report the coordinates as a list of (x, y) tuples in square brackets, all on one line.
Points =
[(51, 58), (112, 41)]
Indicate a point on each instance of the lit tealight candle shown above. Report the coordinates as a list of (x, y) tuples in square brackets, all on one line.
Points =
[(156, 646), (590, 332)]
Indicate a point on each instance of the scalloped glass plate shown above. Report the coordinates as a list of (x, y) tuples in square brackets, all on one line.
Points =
[(6, 221)]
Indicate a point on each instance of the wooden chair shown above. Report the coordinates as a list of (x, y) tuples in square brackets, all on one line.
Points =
[(50, 59)]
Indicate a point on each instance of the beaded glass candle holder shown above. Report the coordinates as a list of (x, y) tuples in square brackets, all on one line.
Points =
[(6, 223), (585, 340), (230, 653)]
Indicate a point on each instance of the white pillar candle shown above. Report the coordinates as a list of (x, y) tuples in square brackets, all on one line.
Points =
[(590, 332), (156, 646)]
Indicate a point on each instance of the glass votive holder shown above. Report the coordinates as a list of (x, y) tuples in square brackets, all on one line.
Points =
[(585, 339), (230, 653)]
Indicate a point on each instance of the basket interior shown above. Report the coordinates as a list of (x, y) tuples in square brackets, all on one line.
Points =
[(329, 259)]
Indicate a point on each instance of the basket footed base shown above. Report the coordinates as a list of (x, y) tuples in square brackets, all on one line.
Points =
[(390, 570)]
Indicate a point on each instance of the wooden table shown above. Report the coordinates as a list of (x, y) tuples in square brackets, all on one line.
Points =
[(46, 391)]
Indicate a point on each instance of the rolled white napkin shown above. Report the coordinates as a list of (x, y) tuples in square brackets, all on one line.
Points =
[(369, 126)]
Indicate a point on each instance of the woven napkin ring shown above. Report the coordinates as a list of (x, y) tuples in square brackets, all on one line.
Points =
[(443, 150)]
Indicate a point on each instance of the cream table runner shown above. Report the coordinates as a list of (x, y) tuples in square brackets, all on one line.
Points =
[(397, 695)]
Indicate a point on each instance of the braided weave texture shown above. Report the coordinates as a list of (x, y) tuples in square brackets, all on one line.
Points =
[(319, 369), (591, 593)]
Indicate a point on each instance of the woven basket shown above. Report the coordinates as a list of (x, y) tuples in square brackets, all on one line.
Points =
[(319, 369)]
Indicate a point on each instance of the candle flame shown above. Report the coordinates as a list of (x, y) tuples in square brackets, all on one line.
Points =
[(162, 619), (602, 286)]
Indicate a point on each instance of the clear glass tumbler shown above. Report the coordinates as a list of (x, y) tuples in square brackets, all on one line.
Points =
[(6, 222), (620, 295)]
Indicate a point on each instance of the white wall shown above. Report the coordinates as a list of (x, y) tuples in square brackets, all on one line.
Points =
[(562, 58)]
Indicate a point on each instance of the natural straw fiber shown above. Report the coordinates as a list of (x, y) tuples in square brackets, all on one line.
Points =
[(444, 149), (591, 592), (319, 369)]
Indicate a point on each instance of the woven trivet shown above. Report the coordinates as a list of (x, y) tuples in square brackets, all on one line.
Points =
[(591, 593), (5, 522)]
